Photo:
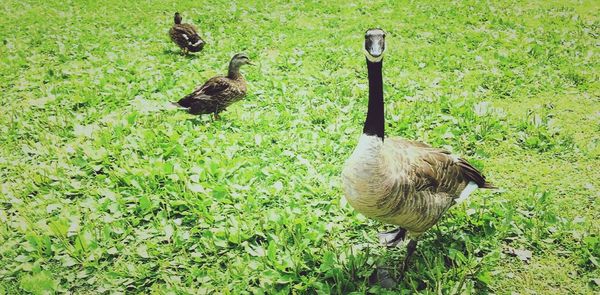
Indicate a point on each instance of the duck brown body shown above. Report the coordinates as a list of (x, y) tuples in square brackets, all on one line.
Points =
[(215, 95), (219, 92), (186, 36)]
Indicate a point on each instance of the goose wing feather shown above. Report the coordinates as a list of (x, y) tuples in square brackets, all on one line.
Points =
[(435, 169), (418, 184)]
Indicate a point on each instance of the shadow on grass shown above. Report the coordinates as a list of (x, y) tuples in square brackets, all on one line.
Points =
[(223, 123), (451, 258), (179, 53)]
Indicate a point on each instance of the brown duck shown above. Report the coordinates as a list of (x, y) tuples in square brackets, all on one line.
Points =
[(405, 183), (185, 36), (218, 92)]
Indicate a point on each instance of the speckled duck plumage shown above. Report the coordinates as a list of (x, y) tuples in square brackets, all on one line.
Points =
[(185, 36), (219, 92)]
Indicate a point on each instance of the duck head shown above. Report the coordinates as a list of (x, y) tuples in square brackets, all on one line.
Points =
[(239, 60), (374, 44), (177, 18)]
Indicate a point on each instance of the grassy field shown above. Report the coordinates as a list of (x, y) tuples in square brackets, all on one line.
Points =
[(104, 190)]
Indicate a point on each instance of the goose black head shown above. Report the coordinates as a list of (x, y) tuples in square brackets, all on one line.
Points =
[(240, 59), (177, 18), (374, 44)]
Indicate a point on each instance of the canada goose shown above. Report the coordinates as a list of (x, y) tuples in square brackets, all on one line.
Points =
[(401, 182), (218, 92), (185, 36)]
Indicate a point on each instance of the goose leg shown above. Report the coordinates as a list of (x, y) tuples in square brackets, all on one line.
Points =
[(393, 237), (410, 250)]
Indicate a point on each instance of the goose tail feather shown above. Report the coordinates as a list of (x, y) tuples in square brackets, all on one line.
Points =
[(474, 175)]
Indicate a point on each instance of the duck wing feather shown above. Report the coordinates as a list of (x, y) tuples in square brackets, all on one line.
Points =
[(208, 97), (186, 35)]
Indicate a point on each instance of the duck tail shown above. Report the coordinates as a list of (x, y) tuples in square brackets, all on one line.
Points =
[(195, 43), (177, 105)]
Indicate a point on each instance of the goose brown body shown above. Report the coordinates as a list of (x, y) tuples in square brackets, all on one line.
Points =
[(406, 183), (186, 36), (401, 182), (219, 92)]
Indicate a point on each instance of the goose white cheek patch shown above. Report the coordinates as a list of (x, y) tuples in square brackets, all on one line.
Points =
[(372, 58)]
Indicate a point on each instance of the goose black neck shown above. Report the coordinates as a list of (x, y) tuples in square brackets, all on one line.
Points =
[(374, 124)]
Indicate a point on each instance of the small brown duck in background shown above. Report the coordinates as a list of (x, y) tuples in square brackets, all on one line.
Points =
[(185, 36), (218, 92)]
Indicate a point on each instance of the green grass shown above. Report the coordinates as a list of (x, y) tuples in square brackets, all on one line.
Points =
[(103, 190)]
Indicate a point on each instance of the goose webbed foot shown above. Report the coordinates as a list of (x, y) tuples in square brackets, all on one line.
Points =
[(393, 237), (216, 116)]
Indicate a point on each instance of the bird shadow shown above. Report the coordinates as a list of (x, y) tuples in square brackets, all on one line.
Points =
[(198, 121), (179, 53), (446, 248), (207, 119)]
